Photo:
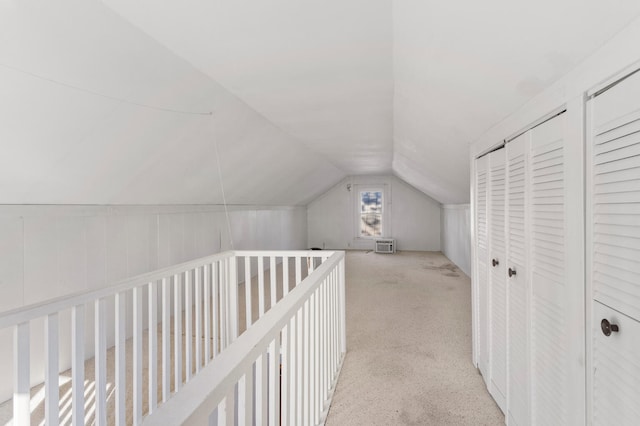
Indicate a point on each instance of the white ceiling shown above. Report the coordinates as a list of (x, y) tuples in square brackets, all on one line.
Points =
[(320, 70), (302, 92), (72, 76)]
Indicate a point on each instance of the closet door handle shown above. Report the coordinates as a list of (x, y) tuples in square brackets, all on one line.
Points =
[(495, 262), (512, 272), (608, 328)]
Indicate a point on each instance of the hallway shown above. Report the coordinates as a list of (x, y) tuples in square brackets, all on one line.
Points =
[(409, 345)]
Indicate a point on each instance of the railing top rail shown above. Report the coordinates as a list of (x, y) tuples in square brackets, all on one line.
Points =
[(212, 384), (286, 253), (37, 310)]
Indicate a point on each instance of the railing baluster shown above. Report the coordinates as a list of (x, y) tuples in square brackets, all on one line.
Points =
[(206, 282), (272, 279), (21, 374), (138, 367), (51, 386), (261, 302), (315, 353), (121, 360), (215, 304), (285, 275), (226, 410), (284, 375), (166, 336), (224, 303), (298, 259), (77, 365), (247, 292), (188, 330), (327, 334), (332, 317), (230, 406), (261, 389), (222, 413), (101, 363), (245, 398), (310, 265), (336, 323), (233, 297), (198, 292), (293, 390), (177, 332), (274, 381), (319, 372), (153, 347), (300, 366), (343, 299), (329, 329), (306, 390), (322, 347)]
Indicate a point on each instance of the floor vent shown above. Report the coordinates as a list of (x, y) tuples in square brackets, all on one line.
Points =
[(387, 245)]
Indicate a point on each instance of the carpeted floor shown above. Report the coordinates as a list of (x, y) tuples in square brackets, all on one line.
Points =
[(409, 345)]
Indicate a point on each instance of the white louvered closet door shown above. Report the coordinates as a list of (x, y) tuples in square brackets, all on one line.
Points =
[(613, 253), (517, 281), (497, 281), (550, 348), (482, 262)]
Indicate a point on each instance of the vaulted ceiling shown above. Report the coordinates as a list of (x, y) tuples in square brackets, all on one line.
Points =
[(118, 102)]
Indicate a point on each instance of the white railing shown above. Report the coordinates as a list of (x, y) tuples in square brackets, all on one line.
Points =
[(282, 371), (200, 299)]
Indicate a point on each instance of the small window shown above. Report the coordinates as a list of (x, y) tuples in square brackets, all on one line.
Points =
[(371, 214)]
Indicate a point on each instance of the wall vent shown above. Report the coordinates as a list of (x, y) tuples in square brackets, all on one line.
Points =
[(386, 245)]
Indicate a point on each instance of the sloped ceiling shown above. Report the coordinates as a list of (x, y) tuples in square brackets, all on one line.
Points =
[(94, 111), (107, 102)]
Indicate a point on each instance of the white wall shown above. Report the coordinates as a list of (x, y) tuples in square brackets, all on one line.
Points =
[(410, 216), (456, 235), (51, 251)]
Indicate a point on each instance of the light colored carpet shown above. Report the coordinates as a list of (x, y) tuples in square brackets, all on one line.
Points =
[(409, 345)]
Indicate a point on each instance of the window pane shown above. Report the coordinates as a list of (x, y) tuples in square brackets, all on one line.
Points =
[(371, 214)]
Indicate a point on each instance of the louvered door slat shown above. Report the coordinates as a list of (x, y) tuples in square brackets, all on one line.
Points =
[(617, 176), (614, 166), (632, 149), (625, 136), (624, 208)]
